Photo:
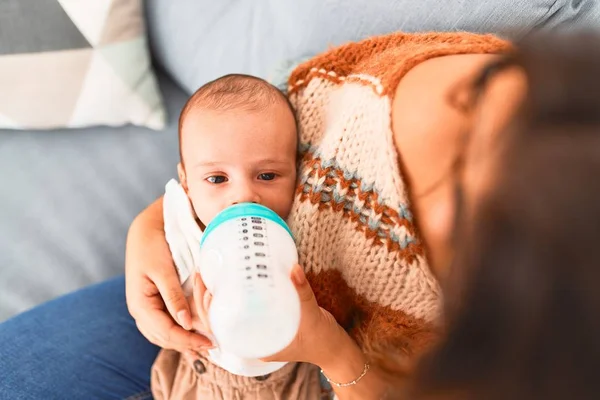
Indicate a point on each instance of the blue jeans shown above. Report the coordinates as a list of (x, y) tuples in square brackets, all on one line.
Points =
[(84, 345)]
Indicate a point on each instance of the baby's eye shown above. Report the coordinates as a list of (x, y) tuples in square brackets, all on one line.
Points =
[(267, 176), (216, 179)]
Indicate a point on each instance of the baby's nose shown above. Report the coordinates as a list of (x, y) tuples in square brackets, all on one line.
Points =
[(245, 195), (245, 201)]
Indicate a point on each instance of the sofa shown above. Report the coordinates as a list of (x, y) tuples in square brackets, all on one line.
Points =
[(69, 195)]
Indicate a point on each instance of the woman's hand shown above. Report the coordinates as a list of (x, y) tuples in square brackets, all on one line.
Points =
[(155, 298), (323, 342), (319, 334)]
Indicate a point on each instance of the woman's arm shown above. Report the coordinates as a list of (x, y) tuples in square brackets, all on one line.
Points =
[(345, 364), (152, 286)]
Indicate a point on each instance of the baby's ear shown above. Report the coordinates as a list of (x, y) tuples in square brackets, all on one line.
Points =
[(182, 177)]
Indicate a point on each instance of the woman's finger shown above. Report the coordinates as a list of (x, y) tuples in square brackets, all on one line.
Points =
[(303, 288), (138, 289), (159, 324), (167, 282), (150, 336)]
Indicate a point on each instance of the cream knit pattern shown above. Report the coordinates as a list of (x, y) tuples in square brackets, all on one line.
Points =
[(351, 216)]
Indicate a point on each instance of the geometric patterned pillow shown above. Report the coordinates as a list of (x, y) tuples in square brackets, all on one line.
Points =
[(74, 63)]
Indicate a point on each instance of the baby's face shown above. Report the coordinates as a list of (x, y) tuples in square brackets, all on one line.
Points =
[(239, 156)]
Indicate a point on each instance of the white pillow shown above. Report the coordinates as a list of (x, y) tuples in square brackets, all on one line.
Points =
[(73, 63)]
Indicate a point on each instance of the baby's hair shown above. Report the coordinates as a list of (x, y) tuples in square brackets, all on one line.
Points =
[(234, 92)]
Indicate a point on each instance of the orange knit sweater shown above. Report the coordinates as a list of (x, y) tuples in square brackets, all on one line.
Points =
[(351, 216)]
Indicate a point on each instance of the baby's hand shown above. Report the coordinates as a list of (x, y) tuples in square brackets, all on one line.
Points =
[(199, 303)]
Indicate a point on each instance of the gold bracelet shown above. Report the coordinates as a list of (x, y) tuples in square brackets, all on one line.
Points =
[(354, 382)]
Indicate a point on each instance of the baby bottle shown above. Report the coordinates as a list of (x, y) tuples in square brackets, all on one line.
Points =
[(246, 256)]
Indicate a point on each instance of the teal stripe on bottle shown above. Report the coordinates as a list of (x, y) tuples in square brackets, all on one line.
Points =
[(244, 210)]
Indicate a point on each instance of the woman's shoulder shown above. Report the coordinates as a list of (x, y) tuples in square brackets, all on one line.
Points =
[(382, 61)]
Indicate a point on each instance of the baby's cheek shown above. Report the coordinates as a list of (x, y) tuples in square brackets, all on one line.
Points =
[(206, 208), (284, 206), (199, 203), (205, 212)]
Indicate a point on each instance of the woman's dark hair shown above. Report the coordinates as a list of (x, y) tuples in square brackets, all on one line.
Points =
[(522, 312)]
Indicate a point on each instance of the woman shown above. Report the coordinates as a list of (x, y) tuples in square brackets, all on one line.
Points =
[(95, 349), (357, 241), (522, 302)]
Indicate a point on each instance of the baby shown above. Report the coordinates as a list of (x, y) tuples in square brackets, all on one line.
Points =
[(238, 143)]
